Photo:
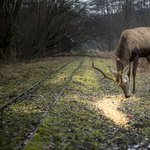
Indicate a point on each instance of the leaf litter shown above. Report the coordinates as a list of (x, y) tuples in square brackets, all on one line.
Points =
[(92, 115), (20, 119)]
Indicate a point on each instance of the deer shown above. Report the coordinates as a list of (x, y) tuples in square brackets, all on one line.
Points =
[(133, 44)]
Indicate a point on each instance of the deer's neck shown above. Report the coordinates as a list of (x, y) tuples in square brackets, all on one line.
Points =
[(123, 54)]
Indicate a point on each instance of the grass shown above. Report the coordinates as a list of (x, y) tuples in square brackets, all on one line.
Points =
[(16, 78), (89, 115), (23, 117)]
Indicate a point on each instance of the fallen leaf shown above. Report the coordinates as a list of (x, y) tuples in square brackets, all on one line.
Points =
[(130, 117)]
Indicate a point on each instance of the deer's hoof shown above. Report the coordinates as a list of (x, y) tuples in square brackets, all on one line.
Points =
[(133, 91)]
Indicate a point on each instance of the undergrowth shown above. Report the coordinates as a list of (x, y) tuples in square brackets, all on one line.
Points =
[(16, 78), (89, 115)]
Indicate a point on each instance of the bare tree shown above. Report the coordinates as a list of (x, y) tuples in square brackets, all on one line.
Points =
[(8, 14), (33, 28)]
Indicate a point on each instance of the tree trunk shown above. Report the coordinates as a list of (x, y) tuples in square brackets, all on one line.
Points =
[(108, 26)]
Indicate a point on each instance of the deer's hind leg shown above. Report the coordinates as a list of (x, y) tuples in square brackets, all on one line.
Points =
[(148, 59)]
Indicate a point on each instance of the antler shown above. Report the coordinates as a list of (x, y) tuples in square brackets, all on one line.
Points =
[(105, 76), (120, 62)]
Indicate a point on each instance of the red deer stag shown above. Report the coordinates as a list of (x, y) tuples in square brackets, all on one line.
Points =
[(133, 44)]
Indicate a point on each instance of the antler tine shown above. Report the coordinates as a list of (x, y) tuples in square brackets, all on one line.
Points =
[(119, 80), (105, 76), (119, 61)]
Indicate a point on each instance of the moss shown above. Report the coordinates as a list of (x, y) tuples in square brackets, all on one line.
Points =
[(76, 121), (18, 77)]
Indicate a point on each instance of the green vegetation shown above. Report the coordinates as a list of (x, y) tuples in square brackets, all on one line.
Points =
[(20, 120), (79, 122), (16, 78), (89, 115)]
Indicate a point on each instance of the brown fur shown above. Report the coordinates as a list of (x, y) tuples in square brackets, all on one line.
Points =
[(133, 44)]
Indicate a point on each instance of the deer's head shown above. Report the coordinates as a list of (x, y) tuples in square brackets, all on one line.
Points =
[(121, 78)]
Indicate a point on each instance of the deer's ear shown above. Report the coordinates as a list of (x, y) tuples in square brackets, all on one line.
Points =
[(126, 69), (113, 71)]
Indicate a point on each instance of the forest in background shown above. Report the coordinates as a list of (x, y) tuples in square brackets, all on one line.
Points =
[(39, 28)]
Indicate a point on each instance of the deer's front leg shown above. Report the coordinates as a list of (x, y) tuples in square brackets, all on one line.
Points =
[(129, 72), (135, 64)]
